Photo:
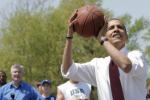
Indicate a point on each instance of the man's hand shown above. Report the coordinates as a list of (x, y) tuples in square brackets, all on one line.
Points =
[(72, 21)]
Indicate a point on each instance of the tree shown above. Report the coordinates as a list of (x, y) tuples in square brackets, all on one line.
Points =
[(35, 38)]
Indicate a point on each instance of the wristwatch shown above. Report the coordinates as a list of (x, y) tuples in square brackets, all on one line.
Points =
[(69, 37), (103, 39)]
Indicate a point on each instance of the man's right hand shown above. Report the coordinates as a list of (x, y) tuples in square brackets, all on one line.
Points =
[(72, 21)]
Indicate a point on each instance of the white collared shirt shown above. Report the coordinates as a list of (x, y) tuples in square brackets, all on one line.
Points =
[(96, 73)]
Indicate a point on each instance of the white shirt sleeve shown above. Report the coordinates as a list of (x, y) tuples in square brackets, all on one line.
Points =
[(81, 72), (138, 64)]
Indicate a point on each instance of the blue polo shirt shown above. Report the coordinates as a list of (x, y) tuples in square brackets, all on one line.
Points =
[(23, 92)]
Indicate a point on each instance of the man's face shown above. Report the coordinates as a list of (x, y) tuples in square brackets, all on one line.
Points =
[(2, 78), (46, 88), (39, 88), (16, 74), (116, 33)]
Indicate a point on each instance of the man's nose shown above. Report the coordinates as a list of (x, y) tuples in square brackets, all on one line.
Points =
[(116, 30)]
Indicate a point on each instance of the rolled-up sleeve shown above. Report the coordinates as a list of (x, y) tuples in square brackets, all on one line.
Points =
[(71, 71), (139, 68), (81, 72)]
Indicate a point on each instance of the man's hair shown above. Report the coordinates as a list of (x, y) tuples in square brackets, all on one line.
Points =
[(4, 79), (3, 72), (124, 27), (104, 29), (18, 66)]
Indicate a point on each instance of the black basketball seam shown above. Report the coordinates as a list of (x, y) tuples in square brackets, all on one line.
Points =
[(94, 13), (93, 22), (85, 23), (99, 15), (86, 20)]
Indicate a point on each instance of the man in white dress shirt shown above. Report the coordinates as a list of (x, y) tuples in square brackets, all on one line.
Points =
[(131, 66)]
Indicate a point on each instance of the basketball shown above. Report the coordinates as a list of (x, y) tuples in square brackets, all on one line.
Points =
[(90, 20)]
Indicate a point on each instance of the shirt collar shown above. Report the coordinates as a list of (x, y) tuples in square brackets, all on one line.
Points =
[(12, 85), (124, 50)]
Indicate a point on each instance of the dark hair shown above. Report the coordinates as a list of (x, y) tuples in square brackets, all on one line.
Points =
[(118, 20), (5, 78), (1, 71), (38, 84)]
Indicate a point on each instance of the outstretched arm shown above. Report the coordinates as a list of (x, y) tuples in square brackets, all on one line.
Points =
[(67, 56), (119, 58), (113, 37)]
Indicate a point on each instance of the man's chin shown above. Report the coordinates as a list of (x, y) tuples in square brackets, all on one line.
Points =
[(119, 45), (17, 80), (117, 40)]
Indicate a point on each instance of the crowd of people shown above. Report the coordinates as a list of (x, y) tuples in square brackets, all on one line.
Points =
[(18, 89)]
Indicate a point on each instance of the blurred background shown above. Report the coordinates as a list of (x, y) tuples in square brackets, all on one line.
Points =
[(32, 33)]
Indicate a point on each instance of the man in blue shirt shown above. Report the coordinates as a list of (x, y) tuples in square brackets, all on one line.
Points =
[(17, 89)]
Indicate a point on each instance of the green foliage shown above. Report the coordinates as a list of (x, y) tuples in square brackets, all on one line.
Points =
[(134, 30), (126, 18), (148, 82), (35, 38), (148, 50)]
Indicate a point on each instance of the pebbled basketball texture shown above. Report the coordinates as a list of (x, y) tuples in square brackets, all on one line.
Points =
[(90, 21)]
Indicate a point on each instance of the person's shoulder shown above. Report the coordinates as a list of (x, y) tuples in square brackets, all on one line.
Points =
[(96, 59), (63, 84), (7, 85), (135, 53), (27, 85)]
